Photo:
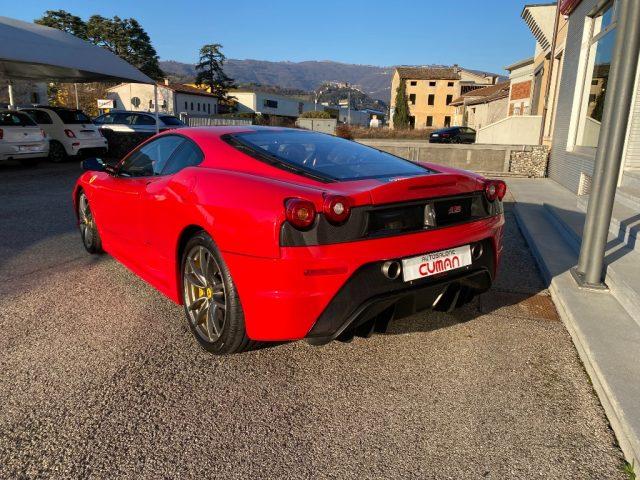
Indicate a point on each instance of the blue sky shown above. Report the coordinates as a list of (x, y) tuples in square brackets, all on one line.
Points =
[(480, 34)]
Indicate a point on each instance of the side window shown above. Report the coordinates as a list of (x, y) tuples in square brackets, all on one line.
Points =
[(151, 158), (120, 119), (41, 118), (102, 119), (188, 155), (144, 120)]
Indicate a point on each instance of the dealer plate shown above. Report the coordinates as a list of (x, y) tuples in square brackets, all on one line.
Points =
[(29, 148), (436, 262)]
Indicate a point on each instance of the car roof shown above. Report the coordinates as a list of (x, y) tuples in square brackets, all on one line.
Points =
[(220, 130), (140, 113)]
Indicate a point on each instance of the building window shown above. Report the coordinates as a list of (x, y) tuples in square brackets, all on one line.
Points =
[(412, 122), (270, 103), (449, 99), (603, 38), (150, 104), (300, 108), (209, 108), (429, 121), (198, 106), (449, 84), (413, 83), (35, 98), (412, 99), (447, 121), (164, 104), (192, 106), (431, 99), (432, 84), (186, 106)]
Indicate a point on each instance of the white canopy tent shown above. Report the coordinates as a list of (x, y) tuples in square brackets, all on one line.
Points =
[(33, 52)]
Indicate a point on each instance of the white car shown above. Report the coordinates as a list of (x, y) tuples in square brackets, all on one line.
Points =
[(71, 132), (20, 137), (141, 122)]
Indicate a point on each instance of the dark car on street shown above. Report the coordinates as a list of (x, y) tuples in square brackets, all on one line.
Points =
[(453, 135)]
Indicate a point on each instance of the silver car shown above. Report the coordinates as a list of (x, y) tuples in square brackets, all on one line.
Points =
[(20, 137), (136, 122)]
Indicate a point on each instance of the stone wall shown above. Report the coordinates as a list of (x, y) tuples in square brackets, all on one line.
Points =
[(531, 161), (526, 160)]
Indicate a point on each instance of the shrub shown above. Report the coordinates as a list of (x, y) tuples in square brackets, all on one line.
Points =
[(344, 131), (415, 134), (315, 114)]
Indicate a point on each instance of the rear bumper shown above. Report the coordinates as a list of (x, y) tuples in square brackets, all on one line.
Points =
[(77, 146), (368, 294), (9, 151), (299, 294)]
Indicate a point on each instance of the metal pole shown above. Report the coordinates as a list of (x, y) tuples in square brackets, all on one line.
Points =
[(155, 106), (349, 108), (11, 102), (75, 87), (611, 146)]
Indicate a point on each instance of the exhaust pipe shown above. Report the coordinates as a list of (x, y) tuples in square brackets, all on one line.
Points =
[(391, 269)]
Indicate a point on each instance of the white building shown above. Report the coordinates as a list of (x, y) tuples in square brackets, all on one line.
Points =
[(172, 98), (265, 103)]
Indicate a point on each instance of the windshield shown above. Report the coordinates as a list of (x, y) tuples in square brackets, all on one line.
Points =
[(172, 121), (325, 156), (72, 116)]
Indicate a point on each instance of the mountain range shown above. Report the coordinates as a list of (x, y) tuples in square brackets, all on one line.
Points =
[(307, 76)]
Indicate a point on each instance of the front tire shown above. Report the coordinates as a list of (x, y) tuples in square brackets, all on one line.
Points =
[(211, 303), (88, 229)]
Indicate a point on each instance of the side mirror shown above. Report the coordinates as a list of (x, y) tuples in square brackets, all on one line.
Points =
[(93, 164)]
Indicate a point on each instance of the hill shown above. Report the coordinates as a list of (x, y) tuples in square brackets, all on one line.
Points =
[(307, 76)]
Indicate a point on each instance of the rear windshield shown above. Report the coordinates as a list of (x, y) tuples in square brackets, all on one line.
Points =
[(72, 116), (173, 121), (16, 119), (324, 156)]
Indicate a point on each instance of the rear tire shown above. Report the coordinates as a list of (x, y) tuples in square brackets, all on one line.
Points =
[(57, 153), (211, 302)]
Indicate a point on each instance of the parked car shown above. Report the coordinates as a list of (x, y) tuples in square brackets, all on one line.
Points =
[(71, 133), (20, 137), (276, 234), (137, 122), (453, 135)]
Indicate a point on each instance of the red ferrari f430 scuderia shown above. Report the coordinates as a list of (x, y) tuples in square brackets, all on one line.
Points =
[(276, 234)]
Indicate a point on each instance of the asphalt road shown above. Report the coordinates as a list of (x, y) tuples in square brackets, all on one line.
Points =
[(100, 378)]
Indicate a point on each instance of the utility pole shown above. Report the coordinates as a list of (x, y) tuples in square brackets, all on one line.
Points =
[(75, 87), (11, 101)]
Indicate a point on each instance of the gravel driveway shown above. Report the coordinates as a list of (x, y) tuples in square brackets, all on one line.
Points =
[(100, 377)]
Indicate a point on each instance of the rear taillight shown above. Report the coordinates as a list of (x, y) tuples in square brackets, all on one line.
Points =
[(44, 134), (445, 135), (494, 189), (69, 133), (336, 209), (1, 134), (300, 213)]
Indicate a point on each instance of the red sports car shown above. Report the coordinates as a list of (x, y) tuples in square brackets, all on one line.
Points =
[(278, 234)]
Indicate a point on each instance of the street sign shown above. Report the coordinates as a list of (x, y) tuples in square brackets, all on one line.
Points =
[(105, 103)]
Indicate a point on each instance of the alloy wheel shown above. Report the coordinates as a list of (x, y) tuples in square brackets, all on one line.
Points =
[(204, 293), (86, 221)]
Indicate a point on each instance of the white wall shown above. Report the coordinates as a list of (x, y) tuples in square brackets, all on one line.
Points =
[(517, 130), (168, 100), (254, 102)]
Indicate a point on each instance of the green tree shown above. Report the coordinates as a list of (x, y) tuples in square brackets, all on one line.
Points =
[(401, 113), (63, 20), (210, 71), (126, 38)]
